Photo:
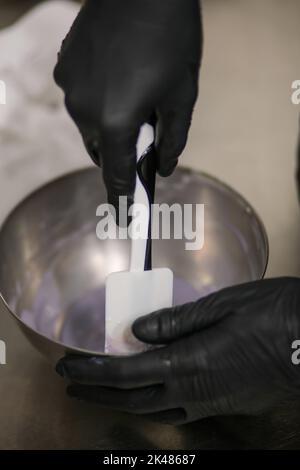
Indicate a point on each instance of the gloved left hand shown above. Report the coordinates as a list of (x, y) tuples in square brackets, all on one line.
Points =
[(228, 353)]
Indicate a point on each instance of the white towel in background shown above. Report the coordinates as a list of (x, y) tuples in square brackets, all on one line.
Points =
[(38, 140)]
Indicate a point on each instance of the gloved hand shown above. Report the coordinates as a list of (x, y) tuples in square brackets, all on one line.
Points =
[(228, 353), (122, 63)]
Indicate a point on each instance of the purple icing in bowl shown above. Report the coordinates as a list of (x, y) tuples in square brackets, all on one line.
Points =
[(81, 324)]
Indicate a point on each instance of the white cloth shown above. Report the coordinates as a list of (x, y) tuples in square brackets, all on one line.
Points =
[(38, 140)]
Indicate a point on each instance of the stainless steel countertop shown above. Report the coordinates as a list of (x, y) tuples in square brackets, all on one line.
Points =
[(244, 132)]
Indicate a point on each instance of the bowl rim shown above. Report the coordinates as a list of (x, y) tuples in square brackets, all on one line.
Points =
[(69, 174)]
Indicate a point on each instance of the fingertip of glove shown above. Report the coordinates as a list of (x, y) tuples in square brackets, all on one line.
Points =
[(145, 329), (139, 328), (166, 171), (63, 366)]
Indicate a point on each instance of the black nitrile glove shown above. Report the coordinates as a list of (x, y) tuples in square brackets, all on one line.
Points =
[(122, 63), (228, 353)]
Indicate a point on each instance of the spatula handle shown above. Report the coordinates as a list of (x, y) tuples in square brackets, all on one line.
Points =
[(143, 198)]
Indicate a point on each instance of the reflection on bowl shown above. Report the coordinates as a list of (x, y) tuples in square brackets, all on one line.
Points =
[(53, 267)]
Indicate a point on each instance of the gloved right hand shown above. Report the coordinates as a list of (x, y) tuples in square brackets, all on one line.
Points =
[(123, 62)]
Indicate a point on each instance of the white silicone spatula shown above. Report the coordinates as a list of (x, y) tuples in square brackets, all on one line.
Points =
[(131, 294)]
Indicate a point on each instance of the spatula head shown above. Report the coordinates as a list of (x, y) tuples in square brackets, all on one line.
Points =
[(130, 295)]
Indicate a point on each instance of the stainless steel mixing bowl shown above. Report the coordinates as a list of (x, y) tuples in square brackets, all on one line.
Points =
[(51, 257)]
